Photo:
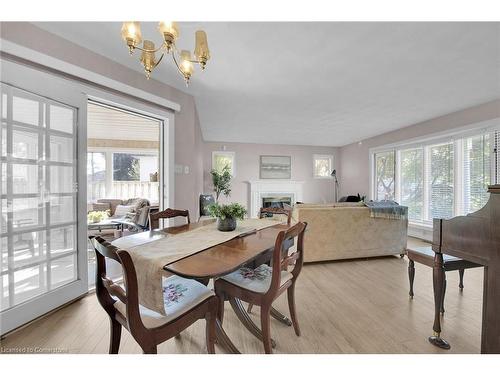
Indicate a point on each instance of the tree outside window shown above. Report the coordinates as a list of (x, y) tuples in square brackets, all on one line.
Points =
[(385, 175)]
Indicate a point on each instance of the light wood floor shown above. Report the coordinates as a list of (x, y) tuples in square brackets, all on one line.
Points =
[(359, 306)]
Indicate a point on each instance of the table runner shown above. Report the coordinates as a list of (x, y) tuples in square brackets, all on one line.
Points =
[(150, 258)]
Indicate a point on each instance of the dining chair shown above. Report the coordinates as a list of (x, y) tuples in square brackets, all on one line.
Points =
[(271, 211), (264, 284), (186, 301), (169, 213)]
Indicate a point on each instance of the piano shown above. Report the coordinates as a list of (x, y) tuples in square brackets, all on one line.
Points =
[(475, 238)]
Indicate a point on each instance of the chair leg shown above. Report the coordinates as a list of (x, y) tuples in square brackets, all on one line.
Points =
[(115, 336), (265, 322), (411, 275), (210, 332), (444, 292), (291, 307), (220, 308), (249, 309), (461, 284)]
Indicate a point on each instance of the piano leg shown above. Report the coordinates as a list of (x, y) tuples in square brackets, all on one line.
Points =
[(438, 278)]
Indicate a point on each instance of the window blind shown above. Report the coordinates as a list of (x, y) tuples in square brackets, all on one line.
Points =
[(477, 172), (440, 181), (412, 182)]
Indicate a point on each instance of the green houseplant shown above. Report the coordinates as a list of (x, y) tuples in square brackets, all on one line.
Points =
[(221, 179), (227, 214)]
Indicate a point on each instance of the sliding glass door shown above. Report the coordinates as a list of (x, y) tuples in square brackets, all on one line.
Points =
[(41, 265)]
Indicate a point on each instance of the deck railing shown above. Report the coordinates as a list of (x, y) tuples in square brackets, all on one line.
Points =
[(123, 190)]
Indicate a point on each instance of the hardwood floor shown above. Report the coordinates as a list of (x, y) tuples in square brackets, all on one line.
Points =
[(356, 306)]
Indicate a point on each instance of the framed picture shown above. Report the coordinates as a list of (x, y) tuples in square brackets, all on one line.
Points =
[(275, 167)]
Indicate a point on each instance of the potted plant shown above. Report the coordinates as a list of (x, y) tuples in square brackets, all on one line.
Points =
[(221, 179), (227, 214)]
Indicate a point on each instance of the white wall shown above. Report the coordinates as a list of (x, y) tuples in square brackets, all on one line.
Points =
[(247, 159)]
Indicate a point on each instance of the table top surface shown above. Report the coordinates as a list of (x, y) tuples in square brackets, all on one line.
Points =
[(215, 261)]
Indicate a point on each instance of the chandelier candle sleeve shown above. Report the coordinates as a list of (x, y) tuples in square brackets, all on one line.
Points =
[(186, 64), (170, 32), (131, 33), (201, 50)]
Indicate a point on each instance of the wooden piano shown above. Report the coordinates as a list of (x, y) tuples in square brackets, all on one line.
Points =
[(475, 238)]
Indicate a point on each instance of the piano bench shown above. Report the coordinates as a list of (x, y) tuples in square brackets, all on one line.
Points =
[(425, 255)]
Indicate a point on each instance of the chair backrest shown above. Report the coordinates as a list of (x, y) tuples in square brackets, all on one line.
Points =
[(281, 258), (169, 213), (106, 288), (271, 211)]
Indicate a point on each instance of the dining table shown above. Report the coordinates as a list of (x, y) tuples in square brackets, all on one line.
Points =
[(249, 249)]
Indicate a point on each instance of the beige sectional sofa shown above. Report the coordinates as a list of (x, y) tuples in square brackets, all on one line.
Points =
[(346, 230)]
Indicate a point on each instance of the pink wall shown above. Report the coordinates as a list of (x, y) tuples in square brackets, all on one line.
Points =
[(247, 168), (188, 138), (354, 158)]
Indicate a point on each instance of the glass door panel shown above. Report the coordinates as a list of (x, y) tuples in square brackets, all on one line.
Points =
[(39, 201)]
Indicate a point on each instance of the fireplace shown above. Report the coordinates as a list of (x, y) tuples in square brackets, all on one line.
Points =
[(273, 193), (276, 202)]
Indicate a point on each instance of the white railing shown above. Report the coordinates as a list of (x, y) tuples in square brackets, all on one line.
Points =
[(123, 190)]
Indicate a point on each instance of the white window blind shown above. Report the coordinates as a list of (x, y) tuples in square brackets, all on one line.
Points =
[(440, 181), (385, 163), (477, 172), (412, 182)]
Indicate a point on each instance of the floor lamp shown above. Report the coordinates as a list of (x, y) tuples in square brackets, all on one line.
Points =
[(336, 192)]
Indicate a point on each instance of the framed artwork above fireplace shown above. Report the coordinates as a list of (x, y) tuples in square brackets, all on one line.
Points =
[(275, 167)]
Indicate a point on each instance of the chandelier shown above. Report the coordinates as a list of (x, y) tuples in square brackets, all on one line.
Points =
[(131, 34)]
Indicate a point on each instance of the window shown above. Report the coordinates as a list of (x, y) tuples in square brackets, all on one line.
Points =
[(440, 172), (322, 166), (439, 179), (477, 171), (222, 158), (385, 175), (412, 182)]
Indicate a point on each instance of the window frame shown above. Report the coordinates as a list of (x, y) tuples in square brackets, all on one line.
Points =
[(456, 138), (230, 154), (330, 165)]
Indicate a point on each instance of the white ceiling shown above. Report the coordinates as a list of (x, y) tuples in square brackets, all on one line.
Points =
[(320, 83)]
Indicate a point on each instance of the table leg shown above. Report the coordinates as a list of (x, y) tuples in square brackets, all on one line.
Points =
[(438, 278), (246, 320), (223, 340), (280, 317)]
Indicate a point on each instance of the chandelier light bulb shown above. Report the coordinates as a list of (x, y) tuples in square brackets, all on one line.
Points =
[(131, 33)]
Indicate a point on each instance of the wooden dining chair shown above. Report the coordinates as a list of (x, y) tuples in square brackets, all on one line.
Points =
[(169, 213), (186, 301), (264, 284), (271, 211)]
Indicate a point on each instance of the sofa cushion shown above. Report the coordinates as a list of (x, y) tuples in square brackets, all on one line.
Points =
[(122, 210)]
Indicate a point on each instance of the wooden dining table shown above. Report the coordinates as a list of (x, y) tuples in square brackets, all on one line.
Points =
[(249, 249)]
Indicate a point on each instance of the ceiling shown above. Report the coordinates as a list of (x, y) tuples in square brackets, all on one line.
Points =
[(326, 84)]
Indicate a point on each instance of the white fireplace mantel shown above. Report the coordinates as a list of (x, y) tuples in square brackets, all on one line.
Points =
[(265, 188)]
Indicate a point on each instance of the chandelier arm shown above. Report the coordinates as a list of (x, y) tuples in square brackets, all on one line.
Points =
[(150, 50), (159, 60), (177, 64)]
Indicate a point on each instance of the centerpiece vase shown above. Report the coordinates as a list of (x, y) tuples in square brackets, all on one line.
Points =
[(226, 225)]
